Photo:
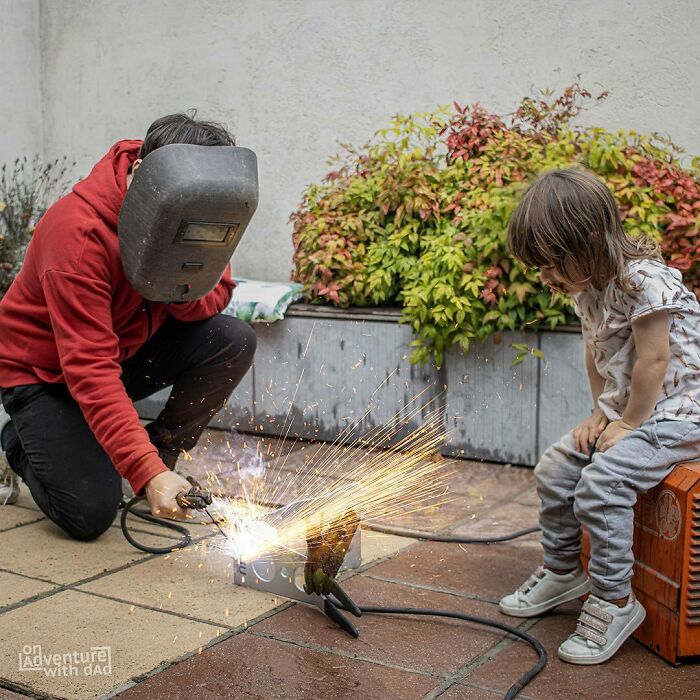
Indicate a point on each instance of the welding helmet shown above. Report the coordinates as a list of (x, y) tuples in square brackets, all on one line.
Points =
[(183, 216)]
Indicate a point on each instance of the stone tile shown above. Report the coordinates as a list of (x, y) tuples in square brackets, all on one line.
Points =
[(486, 571), (463, 691), (14, 589), (44, 551), (375, 545), (618, 678), (67, 622), (490, 482), (218, 463), (255, 668), (336, 461), (432, 518), (503, 521), (427, 644), (473, 489), (25, 499), (195, 582), (221, 448), (12, 516), (9, 695)]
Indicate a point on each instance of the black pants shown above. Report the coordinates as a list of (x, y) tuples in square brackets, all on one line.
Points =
[(50, 446)]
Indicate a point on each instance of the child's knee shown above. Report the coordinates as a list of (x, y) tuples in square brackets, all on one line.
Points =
[(548, 468), (590, 495)]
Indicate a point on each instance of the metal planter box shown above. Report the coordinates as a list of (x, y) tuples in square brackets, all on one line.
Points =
[(331, 374)]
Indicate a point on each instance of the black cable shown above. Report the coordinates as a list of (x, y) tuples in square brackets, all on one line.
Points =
[(437, 537), (513, 691), (144, 515), (532, 641)]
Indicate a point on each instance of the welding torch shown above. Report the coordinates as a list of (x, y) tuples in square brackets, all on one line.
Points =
[(194, 499)]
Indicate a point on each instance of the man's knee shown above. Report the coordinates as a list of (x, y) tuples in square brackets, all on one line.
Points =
[(89, 521), (89, 512), (237, 339)]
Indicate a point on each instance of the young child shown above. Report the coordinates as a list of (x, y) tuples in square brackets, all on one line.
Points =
[(641, 330)]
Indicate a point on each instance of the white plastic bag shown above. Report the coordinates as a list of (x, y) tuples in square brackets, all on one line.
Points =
[(253, 300)]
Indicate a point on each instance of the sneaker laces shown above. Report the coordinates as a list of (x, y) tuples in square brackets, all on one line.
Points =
[(593, 623), (533, 580)]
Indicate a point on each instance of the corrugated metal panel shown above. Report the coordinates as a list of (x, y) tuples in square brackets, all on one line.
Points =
[(565, 395), (315, 377), (324, 379), (491, 405)]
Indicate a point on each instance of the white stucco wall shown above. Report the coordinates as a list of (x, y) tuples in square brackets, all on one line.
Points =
[(20, 100), (293, 77)]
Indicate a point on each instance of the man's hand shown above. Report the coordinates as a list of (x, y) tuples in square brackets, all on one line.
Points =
[(615, 431), (161, 492), (588, 431)]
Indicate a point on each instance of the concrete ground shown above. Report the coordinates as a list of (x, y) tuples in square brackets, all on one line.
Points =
[(177, 627)]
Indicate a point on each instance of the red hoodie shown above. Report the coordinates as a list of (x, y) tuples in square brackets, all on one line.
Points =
[(71, 316)]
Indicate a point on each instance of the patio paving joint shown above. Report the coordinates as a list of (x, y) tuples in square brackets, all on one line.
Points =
[(495, 691), (506, 500), (145, 558), (231, 632), (23, 507), (16, 525), (21, 690), (458, 676), (29, 576), (75, 586), (412, 542), (153, 608), (432, 589), (32, 599), (338, 652)]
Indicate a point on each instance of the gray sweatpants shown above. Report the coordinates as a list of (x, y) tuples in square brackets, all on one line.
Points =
[(600, 492)]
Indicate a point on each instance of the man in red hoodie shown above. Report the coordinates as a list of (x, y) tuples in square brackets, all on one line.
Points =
[(78, 345)]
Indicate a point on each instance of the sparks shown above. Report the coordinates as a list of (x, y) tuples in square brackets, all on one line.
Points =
[(378, 476)]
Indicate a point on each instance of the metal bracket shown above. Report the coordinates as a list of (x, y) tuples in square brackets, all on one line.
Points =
[(285, 577)]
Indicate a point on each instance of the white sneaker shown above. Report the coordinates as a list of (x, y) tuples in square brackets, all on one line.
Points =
[(9, 483), (543, 591), (602, 628)]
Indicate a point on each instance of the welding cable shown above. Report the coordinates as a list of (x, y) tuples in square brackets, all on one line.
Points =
[(127, 509), (513, 691), (437, 537), (514, 631), (428, 536)]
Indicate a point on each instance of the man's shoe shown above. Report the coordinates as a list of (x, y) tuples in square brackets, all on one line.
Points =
[(543, 591), (9, 483), (602, 629)]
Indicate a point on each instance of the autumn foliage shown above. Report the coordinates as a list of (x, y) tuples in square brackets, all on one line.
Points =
[(418, 216)]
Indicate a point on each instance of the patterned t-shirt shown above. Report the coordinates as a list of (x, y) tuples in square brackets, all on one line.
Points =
[(606, 318)]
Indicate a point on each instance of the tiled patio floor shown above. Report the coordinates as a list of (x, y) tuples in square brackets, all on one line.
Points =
[(177, 627)]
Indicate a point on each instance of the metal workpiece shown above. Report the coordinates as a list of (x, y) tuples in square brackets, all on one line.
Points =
[(284, 576)]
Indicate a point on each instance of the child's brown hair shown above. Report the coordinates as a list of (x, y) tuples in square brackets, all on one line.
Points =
[(569, 218)]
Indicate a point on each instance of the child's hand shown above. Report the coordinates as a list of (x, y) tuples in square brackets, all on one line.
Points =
[(612, 434), (587, 432)]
